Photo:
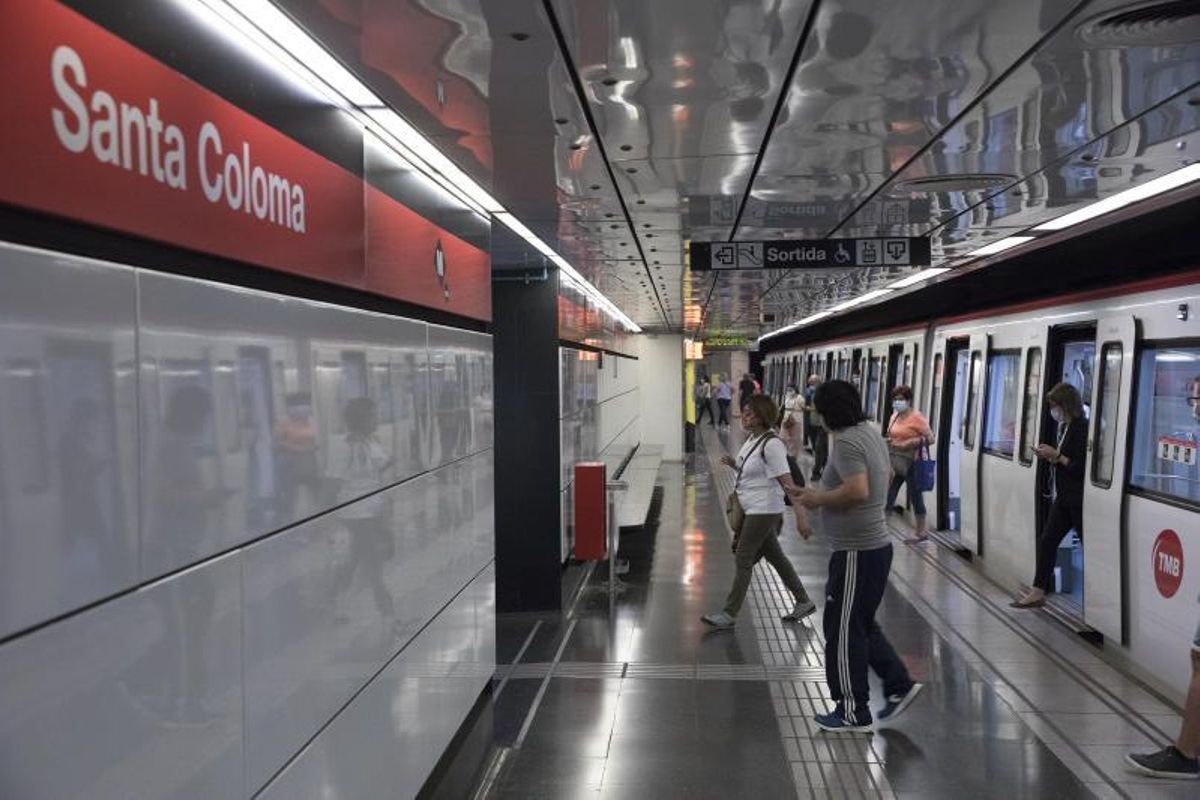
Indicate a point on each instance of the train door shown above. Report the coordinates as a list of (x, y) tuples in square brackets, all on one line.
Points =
[(971, 531), (1104, 481), (947, 405), (1072, 355)]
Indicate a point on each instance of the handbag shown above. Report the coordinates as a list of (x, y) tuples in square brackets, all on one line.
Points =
[(924, 470)]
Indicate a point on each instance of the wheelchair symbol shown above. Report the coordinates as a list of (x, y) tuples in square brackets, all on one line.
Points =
[(841, 255)]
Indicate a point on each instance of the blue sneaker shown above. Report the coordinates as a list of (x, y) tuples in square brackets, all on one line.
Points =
[(834, 722), (897, 703)]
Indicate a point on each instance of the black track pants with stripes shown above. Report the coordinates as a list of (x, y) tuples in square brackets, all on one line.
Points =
[(853, 639)]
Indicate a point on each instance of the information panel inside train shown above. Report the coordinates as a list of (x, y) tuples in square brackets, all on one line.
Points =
[(898, 251)]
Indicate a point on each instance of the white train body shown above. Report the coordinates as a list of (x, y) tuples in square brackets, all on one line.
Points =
[(1134, 352)]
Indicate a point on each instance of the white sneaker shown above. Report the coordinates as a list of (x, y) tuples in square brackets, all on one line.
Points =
[(719, 620), (801, 611)]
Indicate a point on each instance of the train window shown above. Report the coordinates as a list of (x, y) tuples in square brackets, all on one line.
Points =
[(935, 396), (872, 410), (1000, 423), (1029, 412), (1106, 420), (1166, 423), (907, 372), (228, 408), (973, 386)]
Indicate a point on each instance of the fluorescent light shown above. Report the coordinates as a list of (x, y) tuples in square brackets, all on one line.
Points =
[(923, 275), (1164, 183), (864, 298), (272, 33), (799, 323), (999, 246)]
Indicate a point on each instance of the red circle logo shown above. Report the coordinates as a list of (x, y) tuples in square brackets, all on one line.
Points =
[(1168, 563)]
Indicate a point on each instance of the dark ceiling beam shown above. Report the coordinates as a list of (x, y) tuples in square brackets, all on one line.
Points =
[(586, 106), (785, 89)]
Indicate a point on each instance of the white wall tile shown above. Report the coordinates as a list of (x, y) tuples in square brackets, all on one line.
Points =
[(139, 697)]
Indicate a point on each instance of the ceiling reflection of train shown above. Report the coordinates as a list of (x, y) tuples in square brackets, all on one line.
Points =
[(1132, 354)]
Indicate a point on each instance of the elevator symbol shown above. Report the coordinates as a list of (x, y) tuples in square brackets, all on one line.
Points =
[(869, 253)]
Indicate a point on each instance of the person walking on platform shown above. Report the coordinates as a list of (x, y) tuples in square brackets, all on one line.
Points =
[(724, 398), (851, 498), (907, 432), (763, 476), (1182, 759), (1066, 457), (702, 394), (810, 430), (745, 390), (789, 426)]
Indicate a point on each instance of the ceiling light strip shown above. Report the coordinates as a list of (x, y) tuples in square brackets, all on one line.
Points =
[(1161, 184), (923, 275), (1000, 246), (276, 35)]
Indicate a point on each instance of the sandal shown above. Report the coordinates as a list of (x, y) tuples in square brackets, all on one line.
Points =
[(917, 539), (1041, 601)]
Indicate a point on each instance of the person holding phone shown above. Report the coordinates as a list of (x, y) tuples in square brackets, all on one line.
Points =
[(1066, 459)]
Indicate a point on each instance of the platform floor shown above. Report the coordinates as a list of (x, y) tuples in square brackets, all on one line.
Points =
[(654, 704)]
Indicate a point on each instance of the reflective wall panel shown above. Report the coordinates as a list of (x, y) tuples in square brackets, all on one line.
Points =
[(138, 697), (68, 434)]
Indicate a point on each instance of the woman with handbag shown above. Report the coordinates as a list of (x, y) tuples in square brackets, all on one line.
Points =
[(789, 427), (909, 437), (755, 512)]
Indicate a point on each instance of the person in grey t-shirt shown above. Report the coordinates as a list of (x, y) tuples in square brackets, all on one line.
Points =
[(853, 489)]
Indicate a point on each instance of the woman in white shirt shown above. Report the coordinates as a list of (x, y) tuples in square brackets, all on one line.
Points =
[(763, 477), (790, 429)]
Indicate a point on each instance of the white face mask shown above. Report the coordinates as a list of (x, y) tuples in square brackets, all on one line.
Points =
[(900, 405), (1057, 413)]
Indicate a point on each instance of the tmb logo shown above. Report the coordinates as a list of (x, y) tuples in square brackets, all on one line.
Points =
[(1167, 558)]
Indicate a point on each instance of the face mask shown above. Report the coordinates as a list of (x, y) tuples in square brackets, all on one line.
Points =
[(1057, 414), (900, 405)]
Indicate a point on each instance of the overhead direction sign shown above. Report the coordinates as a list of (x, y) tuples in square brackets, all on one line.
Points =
[(895, 251)]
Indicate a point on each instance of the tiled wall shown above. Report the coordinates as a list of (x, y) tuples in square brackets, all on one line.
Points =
[(599, 418), (205, 590)]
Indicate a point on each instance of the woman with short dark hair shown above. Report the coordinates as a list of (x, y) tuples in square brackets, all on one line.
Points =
[(1066, 458), (853, 488)]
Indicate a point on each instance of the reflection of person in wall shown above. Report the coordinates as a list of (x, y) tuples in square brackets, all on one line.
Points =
[(450, 413), (296, 455), (88, 493), (184, 500), (359, 471)]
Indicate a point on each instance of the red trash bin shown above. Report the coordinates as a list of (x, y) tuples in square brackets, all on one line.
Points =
[(591, 511)]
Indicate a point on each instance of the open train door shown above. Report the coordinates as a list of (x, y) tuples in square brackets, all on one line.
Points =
[(971, 531), (1104, 482)]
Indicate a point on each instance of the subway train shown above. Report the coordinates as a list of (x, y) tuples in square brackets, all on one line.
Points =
[(1133, 351)]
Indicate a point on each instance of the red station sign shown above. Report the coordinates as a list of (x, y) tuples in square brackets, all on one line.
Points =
[(1167, 557), (98, 131)]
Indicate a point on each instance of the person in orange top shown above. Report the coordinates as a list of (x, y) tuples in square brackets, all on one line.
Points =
[(906, 432), (296, 455)]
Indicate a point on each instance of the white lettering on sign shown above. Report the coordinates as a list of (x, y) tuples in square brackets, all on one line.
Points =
[(134, 139), (1169, 565)]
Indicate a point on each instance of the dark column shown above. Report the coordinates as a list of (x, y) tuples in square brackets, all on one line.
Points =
[(528, 501)]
